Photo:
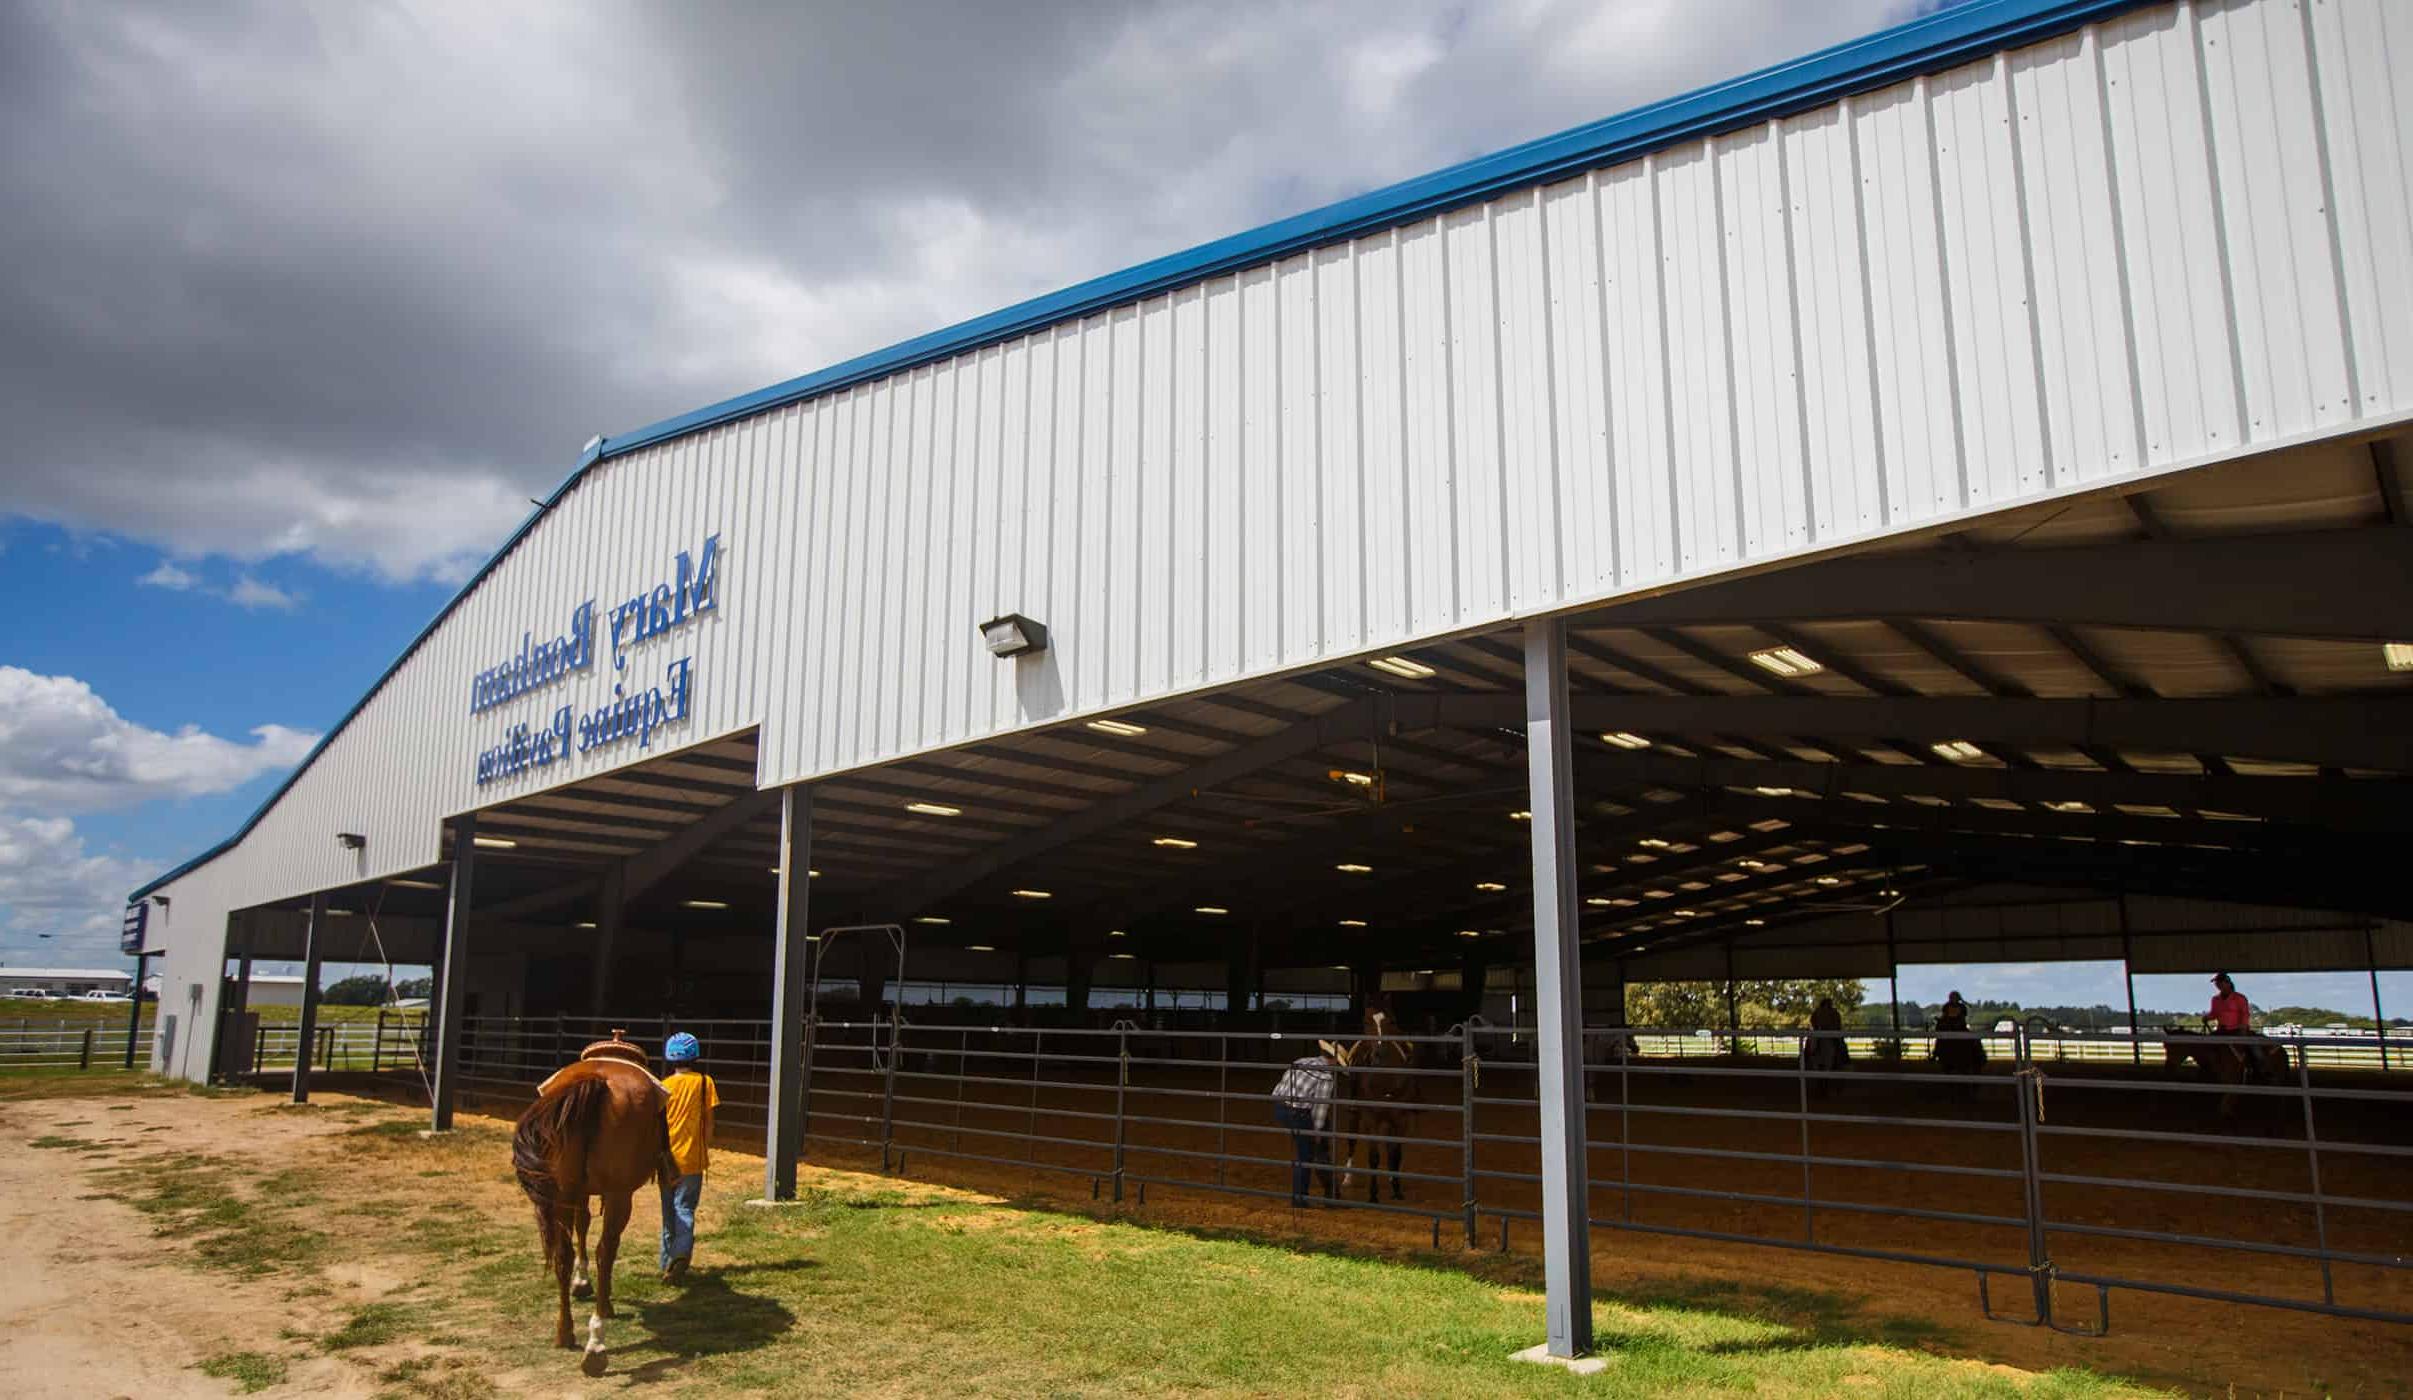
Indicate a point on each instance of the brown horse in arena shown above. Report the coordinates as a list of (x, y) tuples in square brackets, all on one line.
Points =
[(2225, 1059), (596, 1129), (1382, 1101)]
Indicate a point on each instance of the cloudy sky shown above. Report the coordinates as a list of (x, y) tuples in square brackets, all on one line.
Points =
[(302, 302)]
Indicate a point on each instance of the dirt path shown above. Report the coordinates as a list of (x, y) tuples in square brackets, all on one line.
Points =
[(88, 1305)]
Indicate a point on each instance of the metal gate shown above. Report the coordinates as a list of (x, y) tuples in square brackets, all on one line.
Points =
[(2056, 1162)]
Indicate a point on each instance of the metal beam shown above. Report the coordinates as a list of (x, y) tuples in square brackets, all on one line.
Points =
[(783, 1129), (2375, 805), (2345, 732), (2342, 584), (452, 973), (314, 950), (1558, 993), (1355, 720)]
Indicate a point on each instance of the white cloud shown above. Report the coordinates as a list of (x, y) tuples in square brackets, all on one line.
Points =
[(168, 576), (589, 216), (63, 749), (249, 592), (50, 884)]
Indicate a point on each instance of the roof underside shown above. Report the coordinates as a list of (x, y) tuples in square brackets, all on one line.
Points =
[(2177, 693)]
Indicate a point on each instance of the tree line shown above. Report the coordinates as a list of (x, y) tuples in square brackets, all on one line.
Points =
[(1776, 1003)]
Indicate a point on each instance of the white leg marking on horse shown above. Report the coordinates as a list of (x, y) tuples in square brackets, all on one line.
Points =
[(593, 1362)]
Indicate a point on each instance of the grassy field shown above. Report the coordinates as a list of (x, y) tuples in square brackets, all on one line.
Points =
[(887, 1288), (112, 1014)]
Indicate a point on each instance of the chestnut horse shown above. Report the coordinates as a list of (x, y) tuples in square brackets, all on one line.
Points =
[(1380, 1099), (2226, 1059), (596, 1129)]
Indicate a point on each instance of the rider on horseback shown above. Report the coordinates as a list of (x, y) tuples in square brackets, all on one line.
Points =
[(2230, 1013)]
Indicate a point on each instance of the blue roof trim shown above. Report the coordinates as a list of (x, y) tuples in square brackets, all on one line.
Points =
[(1941, 40)]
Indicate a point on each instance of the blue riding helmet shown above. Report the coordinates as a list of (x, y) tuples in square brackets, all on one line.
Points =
[(682, 1049)]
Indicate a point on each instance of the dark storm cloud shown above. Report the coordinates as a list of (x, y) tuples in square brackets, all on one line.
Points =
[(278, 275)]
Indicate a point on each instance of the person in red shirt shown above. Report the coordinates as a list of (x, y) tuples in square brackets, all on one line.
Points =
[(2230, 1014)]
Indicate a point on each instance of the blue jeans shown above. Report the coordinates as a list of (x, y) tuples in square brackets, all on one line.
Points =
[(1306, 1151), (678, 1217)]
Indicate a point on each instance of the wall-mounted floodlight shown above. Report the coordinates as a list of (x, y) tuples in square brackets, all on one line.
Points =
[(1012, 635), (351, 840)]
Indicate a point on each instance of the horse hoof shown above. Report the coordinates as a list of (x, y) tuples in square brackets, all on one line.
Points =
[(604, 1311), (582, 1289), (594, 1361)]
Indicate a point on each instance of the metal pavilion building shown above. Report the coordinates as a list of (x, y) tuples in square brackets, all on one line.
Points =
[(1954, 472)]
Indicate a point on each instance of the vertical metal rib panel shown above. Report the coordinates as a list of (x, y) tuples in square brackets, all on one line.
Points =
[(2164, 239)]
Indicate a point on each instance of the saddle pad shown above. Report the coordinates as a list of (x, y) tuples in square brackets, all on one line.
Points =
[(612, 1060)]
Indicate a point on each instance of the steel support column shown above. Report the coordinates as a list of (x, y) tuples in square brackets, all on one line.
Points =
[(783, 1126), (314, 948), (452, 972), (1558, 992), (2379, 1018), (609, 901), (2128, 975), (142, 962)]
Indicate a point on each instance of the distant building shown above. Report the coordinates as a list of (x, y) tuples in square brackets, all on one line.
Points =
[(63, 981)]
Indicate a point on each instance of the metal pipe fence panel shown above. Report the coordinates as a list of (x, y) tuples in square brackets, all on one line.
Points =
[(2002, 1153), (70, 1045)]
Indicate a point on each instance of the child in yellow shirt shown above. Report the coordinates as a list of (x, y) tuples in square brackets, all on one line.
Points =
[(692, 1096)]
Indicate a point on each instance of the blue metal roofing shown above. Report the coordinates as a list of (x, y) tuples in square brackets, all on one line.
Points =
[(1930, 43)]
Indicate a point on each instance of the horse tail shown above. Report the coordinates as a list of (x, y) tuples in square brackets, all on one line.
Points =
[(552, 1124)]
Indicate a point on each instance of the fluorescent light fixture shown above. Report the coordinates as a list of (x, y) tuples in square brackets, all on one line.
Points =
[(1656, 843), (1012, 635), (1749, 863), (1176, 843), (1489, 886), (493, 843), (704, 903), (932, 919), (414, 884), (1830, 879), (585, 923), (1353, 923), (934, 809), (341, 913), (1600, 902), (1785, 661), (979, 948), (1958, 750), (1520, 815), (811, 874), (1350, 867), (774, 869), (1625, 739), (2069, 806), (1211, 909), (1402, 667), (1124, 956), (1773, 791), (1687, 913), (1343, 775), (1755, 923), (1114, 933), (1121, 729), (2398, 655), (1034, 894), (1470, 933)]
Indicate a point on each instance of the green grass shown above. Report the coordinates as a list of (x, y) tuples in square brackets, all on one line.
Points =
[(370, 1326), (236, 1224), (888, 1288), (249, 1370)]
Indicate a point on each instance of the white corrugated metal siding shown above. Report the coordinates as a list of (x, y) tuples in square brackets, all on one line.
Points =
[(2165, 239)]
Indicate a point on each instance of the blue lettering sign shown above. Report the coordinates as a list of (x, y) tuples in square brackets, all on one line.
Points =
[(692, 590)]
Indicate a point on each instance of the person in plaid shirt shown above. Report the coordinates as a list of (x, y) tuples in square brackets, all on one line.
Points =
[(1303, 1106)]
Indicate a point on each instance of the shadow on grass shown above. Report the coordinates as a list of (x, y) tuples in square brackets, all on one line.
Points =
[(1802, 1317), (706, 1317)]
